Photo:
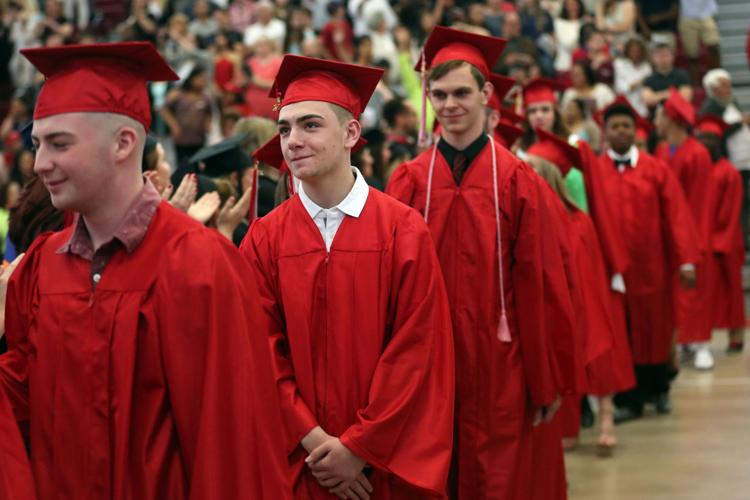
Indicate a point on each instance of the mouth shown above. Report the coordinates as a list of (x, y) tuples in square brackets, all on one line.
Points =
[(51, 185), (300, 158)]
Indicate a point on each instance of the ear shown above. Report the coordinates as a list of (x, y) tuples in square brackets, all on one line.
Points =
[(352, 130), (126, 140), (487, 90)]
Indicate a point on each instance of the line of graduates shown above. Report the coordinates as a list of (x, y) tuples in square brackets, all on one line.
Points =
[(430, 342)]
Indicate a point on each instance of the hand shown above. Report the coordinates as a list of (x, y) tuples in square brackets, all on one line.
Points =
[(232, 213), (186, 193), (547, 413), (359, 489), (336, 467), (4, 279), (175, 130), (205, 208), (688, 278)]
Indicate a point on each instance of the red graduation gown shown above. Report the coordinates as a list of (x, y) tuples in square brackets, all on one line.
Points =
[(498, 384), (15, 474), (156, 385), (361, 341), (658, 235), (727, 248), (692, 166)]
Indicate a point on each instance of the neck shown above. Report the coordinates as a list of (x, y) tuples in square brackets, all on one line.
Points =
[(464, 139), (676, 136), (103, 220), (331, 189)]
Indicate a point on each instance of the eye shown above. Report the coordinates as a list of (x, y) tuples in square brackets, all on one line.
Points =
[(462, 93), (283, 130), (312, 125)]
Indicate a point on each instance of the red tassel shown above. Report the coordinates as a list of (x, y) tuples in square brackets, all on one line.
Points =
[(503, 331)]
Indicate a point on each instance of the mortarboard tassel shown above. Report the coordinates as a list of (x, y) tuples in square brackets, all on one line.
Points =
[(429, 182), (503, 330), (422, 137)]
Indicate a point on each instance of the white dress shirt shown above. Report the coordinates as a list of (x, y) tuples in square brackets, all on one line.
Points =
[(328, 220)]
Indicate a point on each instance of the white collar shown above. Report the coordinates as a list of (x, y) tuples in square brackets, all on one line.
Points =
[(352, 205), (632, 155)]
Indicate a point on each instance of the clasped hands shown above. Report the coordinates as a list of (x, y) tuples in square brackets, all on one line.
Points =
[(335, 467)]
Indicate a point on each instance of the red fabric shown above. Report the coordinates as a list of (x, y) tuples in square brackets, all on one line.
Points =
[(15, 474), (115, 76), (603, 212), (678, 109), (498, 385), (224, 75), (654, 222), (328, 36), (448, 44), (728, 248), (692, 165), (367, 352), (555, 150), (138, 389)]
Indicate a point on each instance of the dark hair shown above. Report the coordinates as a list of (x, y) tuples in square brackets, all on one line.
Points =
[(34, 214), (392, 109), (564, 14), (197, 71), (583, 108), (618, 110), (149, 153), (638, 42), (716, 147), (443, 69), (587, 29), (588, 73)]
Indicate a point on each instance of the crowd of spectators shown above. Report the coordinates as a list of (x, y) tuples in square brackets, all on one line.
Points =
[(227, 53)]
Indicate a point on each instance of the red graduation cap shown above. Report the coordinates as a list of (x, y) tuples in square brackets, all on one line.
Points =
[(678, 109), (511, 116), (447, 44), (541, 90), (502, 85), (711, 124), (308, 79), (555, 150), (507, 132), (103, 78)]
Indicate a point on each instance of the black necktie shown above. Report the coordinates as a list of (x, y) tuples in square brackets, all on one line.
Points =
[(459, 167), (622, 162)]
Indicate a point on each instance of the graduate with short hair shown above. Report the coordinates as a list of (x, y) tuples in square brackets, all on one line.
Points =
[(360, 326), (137, 350)]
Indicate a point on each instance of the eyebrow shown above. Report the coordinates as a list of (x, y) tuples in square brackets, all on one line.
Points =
[(452, 91), (52, 136), (301, 119)]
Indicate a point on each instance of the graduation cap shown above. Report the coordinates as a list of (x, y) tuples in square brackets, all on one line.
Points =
[(711, 124), (103, 78), (447, 44), (541, 90), (621, 106), (502, 85), (555, 150), (678, 109), (308, 79), (511, 116), (224, 157), (507, 132)]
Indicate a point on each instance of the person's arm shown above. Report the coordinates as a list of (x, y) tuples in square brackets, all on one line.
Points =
[(653, 97), (401, 185), (218, 372), (299, 420), (628, 21), (686, 91), (169, 117), (643, 26)]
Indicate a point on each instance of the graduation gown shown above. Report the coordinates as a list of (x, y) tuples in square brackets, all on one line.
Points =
[(498, 384), (157, 384), (692, 166), (15, 474), (361, 342), (728, 249), (658, 235)]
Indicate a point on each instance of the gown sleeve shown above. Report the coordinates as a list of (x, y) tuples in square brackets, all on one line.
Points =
[(15, 473), (728, 207), (683, 235), (218, 371), (406, 428), (299, 420), (401, 185)]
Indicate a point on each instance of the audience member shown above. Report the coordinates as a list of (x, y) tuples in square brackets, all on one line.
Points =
[(631, 69)]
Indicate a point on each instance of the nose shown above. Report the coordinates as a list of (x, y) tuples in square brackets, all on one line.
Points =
[(42, 161), (294, 139)]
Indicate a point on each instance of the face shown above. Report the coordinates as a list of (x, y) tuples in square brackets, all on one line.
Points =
[(13, 190), (476, 14), (711, 141), (578, 77), (493, 118), (571, 113), (75, 158), (458, 102), (723, 89), (409, 118), (511, 25), (620, 132), (573, 10), (635, 52), (26, 164), (541, 115), (313, 140), (596, 42), (663, 59)]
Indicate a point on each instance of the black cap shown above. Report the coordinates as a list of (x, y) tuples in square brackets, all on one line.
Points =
[(224, 157)]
